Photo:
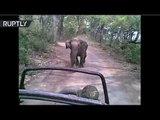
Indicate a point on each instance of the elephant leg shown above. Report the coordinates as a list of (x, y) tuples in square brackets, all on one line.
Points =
[(77, 61), (72, 60), (85, 57), (81, 61)]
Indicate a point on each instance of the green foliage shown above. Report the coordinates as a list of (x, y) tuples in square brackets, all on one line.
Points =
[(69, 26), (22, 49), (116, 26), (37, 44), (69, 31), (23, 55), (117, 32), (105, 46), (33, 38), (132, 53)]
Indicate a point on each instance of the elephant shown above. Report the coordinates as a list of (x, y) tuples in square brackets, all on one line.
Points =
[(78, 47)]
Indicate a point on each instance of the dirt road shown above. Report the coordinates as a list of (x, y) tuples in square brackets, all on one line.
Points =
[(123, 83)]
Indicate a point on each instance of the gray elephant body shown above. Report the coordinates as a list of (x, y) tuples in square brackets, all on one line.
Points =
[(78, 48)]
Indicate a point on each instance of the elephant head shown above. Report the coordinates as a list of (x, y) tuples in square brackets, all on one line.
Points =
[(68, 44)]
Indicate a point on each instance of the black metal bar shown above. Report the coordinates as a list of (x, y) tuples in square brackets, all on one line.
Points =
[(56, 97), (68, 69)]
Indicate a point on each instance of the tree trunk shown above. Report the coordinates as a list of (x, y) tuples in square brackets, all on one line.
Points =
[(54, 28), (79, 24), (119, 34), (137, 36), (111, 40), (42, 23), (97, 30), (101, 30), (125, 35), (92, 29), (60, 27)]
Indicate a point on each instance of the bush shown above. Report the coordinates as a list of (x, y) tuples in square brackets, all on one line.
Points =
[(69, 32), (22, 48), (31, 39), (37, 44), (105, 46), (23, 55), (132, 53), (116, 45)]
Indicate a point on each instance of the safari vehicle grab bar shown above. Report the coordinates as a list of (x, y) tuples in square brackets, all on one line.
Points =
[(56, 97), (68, 69)]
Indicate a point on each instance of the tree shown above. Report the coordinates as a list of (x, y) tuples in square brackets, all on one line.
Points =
[(54, 28), (79, 24), (60, 26)]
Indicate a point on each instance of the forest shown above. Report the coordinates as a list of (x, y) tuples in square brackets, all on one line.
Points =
[(120, 34)]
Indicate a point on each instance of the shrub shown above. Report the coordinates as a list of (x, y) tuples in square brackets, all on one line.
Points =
[(22, 49), (132, 53)]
